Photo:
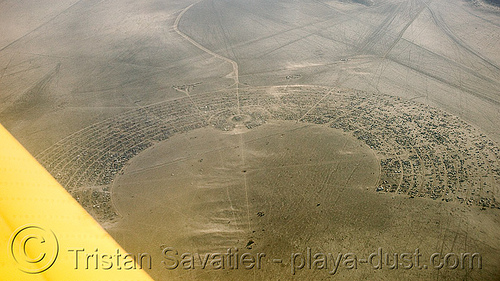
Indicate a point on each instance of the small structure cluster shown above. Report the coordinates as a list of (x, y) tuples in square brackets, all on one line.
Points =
[(423, 152)]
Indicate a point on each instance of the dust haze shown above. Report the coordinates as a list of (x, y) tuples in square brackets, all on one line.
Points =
[(278, 127)]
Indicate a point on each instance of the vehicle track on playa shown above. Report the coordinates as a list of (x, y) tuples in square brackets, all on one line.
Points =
[(41, 25), (371, 39), (235, 76), (448, 31), (234, 64), (402, 32)]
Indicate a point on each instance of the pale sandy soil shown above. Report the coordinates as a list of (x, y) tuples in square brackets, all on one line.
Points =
[(131, 106)]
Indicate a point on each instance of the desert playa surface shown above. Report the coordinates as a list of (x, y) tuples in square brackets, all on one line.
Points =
[(289, 130)]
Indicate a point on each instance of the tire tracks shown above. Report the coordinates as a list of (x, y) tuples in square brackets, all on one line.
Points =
[(40, 26), (438, 20), (234, 64)]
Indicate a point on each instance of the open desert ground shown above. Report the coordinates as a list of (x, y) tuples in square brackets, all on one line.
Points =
[(285, 129)]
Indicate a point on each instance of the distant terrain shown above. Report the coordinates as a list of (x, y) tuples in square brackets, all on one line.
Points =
[(269, 126)]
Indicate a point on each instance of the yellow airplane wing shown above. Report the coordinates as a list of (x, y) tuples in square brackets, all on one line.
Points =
[(46, 235)]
